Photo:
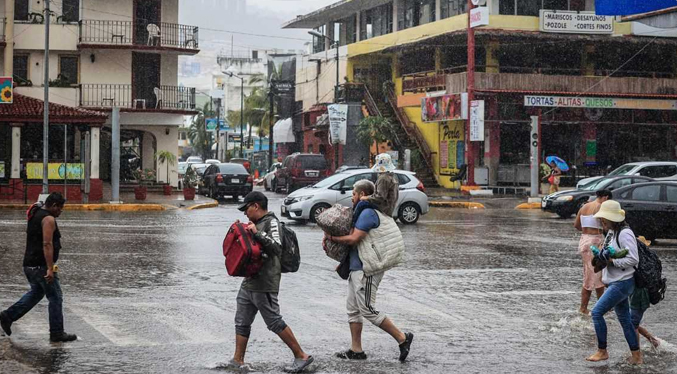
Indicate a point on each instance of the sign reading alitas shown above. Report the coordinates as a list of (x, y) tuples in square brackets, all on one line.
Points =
[(598, 102), (575, 22)]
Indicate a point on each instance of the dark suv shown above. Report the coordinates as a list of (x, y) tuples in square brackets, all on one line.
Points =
[(227, 179), (300, 170)]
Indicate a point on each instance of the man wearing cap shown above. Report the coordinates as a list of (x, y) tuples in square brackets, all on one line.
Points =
[(259, 292)]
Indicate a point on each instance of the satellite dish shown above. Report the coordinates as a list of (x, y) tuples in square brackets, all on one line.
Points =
[(479, 2)]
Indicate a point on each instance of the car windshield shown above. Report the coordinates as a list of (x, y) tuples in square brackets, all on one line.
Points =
[(598, 184), (623, 170), (182, 167), (232, 169), (329, 181)]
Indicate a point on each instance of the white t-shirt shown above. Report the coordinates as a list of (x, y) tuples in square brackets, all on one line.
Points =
[(622, 268)]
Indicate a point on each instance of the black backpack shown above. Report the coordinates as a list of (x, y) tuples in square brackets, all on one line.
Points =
[(290, 260), (649, 273)]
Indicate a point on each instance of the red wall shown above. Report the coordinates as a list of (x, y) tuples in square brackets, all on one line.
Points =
[(34, 190)]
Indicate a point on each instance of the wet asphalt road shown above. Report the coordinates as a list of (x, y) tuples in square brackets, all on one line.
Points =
[(484, 291)]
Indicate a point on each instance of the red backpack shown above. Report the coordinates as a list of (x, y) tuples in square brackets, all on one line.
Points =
[(242, 252)]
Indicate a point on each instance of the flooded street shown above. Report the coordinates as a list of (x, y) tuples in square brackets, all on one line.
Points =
[(484, 291)]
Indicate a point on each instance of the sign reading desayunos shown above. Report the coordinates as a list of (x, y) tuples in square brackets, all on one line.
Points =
[(560, 21), (598, 102)]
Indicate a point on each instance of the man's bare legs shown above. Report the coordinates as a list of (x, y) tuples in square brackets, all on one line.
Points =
[(645, 333), (356, 336), (289, 339), (388, 326), (585, 299), (240, 348)]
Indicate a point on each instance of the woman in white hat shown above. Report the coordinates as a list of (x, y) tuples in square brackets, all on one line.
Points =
[(618, 275)]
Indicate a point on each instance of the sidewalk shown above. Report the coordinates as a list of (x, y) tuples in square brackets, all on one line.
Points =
[(153, 202), (442, 197)]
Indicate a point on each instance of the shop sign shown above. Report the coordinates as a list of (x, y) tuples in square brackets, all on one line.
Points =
[(210, 125), (6, 93), (560, 21), (477, 121), (479, 17), (444, 108), (338, 123), (56, 171), (598, 102), (2, 169), (452, 147), (629, 7)]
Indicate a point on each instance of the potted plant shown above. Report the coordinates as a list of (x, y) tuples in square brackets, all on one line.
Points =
[(144, 177), (168, 158), (189, 183)]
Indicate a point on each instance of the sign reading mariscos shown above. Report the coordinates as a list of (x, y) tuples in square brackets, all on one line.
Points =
[(598, 102), (575, 22)]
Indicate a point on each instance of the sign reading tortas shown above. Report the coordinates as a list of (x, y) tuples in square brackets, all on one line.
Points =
[(561, 21), (598, 102)]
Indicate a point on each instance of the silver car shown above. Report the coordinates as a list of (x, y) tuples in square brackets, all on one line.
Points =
[(307, 203), (659, 170)]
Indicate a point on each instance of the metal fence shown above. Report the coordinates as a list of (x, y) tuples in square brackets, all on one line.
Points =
[(123, 96), (128, 33)]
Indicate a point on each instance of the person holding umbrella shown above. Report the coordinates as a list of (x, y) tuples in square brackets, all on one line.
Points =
[(557, 166)]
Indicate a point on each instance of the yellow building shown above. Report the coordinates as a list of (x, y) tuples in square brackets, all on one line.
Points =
[(528, 55)]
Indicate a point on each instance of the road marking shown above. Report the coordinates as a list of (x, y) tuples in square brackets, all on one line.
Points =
[(107, 327)]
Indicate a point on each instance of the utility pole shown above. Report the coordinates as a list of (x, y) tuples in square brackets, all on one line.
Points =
[(271, 118), (45, 124), (218, 127), (241, 116), (336, 95), (115, 154), (470, 149)]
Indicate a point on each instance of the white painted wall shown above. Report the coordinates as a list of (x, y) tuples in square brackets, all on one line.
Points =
[(109, 10), (58, 95), (169, 74), (170, 11), (109, 66), (61, 37), (312, 89), (165, 142)]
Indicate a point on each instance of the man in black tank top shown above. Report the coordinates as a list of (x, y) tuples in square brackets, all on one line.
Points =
[(43, 243)]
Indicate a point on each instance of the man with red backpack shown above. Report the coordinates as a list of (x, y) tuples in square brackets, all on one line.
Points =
[(259, 292), (43, 243)]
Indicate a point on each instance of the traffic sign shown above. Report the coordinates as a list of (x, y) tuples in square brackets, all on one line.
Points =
[(210, 125)]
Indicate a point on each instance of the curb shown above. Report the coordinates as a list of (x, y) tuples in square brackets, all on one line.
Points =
[(452, 204), (525, 206), (213, 204), (97, 207)]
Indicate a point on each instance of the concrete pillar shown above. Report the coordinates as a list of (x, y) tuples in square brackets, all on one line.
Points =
[(15, 170), (95, 151), (148, 151), (587, 63), (492, 57), (329, 40), (589, 131), (438, 10), (358, 27), (396, 5), (9, 36), (396, 66), (438, 59)]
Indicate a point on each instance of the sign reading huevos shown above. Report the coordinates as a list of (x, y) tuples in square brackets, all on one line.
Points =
[(598, 102), (561, 21)]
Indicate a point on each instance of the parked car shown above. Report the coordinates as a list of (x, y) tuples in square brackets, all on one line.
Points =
[(650, 208), (346, 167), (242, 161), (227, 179), (270, 179), (300, 170), (567, 203), (194, 160), (659, 170), (212, 161), (307, 203)]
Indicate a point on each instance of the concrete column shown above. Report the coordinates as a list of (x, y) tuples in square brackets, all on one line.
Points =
[(9, 36), (95, 151), (438, 59), (396, 5), (438, 10), (396, 66), (358, 27), (15, 171), (587, 63), (329, 40), (589, 131), (492, 57)]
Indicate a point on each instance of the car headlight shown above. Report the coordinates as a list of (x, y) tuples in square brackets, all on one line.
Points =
[(300, 198), (565, 198)]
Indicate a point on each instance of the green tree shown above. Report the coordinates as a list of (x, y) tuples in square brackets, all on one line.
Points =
[(377, 129), (198, 134)]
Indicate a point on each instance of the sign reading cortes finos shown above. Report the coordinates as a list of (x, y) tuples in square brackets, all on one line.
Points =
[(598, 102), (575, 22)]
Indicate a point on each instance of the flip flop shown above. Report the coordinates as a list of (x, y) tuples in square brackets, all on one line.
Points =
[(299, 365)]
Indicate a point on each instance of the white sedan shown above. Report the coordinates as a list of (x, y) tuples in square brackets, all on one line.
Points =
[(269, 179), (307, 203)]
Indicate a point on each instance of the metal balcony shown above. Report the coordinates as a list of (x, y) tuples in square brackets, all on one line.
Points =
[(125, 96), (140, 36)]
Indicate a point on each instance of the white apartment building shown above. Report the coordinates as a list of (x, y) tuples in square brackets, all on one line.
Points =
[(105, 54)]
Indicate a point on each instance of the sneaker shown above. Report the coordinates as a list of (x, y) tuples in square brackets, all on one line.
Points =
[(299, 365), (404, 347), (5, 323), (62, 337), (350, 355)]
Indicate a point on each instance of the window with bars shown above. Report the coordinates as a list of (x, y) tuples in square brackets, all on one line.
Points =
[(450, 8), (69, 69)]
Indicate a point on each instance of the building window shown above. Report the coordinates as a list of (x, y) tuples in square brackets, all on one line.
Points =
[(532, 7), (70, 11), (255, 55), (20, 10), (318, 42), (310, 148), (68, 69), (412, 13), (376, 21), (20, 69), (450, 8)]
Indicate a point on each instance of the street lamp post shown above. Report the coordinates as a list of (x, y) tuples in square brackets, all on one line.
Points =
[(336, 88), (233, 75)]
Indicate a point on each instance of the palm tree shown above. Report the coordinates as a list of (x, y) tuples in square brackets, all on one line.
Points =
[(167, 158), (197, 133)]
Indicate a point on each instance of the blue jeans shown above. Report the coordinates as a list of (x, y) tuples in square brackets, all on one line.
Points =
[(636, 316), (616, 297), (39, 289)]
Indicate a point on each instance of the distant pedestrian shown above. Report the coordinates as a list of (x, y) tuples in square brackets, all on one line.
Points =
[(387, 186), (618, 275), (554, 177), (377, 246), (591, 229), (258, 294), (43, 243)]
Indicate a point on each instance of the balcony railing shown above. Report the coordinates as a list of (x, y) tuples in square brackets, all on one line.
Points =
[(124, 96), (127, 33)]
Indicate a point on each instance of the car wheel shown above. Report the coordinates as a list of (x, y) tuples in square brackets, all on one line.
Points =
[(289, 187), (564, 214), (317, 210), (409, 213)]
